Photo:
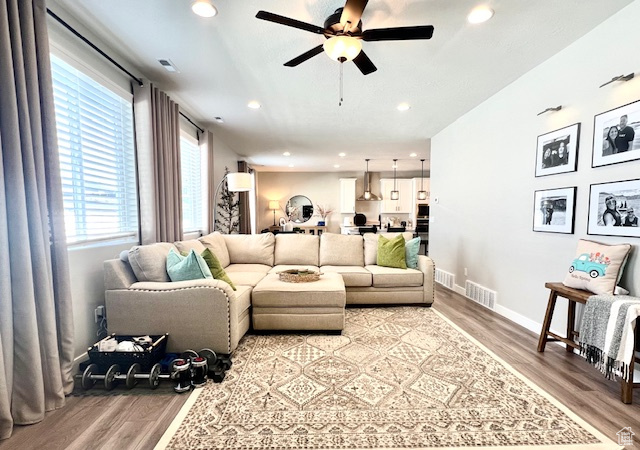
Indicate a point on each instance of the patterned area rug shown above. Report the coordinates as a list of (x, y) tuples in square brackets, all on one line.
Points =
[(398, 378)]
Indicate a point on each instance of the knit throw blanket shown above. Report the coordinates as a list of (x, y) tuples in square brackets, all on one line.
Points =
[(607, 333)]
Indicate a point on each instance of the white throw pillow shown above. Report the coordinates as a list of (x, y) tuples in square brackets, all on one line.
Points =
[(597, 267)]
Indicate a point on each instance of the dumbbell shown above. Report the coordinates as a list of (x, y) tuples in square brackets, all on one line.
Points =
[(90, 377), (180, 371), (199, 367), (216, 366), (133, 374)]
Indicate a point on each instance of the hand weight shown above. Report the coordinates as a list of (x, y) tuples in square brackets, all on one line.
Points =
[(90, 377)]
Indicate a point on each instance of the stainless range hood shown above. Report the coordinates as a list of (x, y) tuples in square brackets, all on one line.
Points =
[(367, 195)]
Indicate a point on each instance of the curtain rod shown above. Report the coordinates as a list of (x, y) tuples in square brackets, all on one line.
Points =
[(110, 59), (93, 46), (191, 121)]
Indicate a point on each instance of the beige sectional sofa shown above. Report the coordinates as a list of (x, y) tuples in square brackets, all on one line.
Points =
[(140, 298)]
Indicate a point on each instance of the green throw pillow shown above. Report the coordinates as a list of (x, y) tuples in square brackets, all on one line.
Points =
[(216, 268), (412, 248), (190, 267), (391, 252)]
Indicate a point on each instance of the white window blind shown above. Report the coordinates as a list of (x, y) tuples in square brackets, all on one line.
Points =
[(190, 165), (97, 158)]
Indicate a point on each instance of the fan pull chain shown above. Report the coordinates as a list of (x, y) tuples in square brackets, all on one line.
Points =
[(341, 90)]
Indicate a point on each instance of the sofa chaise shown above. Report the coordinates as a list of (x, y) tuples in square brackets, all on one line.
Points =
[(208, 313)]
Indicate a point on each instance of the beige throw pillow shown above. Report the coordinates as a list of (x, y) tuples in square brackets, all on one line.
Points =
[(597, 267)]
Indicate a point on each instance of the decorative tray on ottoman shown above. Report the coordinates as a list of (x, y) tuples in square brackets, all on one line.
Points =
[(299, 276)]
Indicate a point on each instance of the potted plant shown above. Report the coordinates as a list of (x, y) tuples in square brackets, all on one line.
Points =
[(323, 211)]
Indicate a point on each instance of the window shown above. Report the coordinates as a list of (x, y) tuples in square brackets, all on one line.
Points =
[(191, 167), (97, 159)]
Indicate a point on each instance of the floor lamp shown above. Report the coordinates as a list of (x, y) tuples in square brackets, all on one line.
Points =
[(236, 182)]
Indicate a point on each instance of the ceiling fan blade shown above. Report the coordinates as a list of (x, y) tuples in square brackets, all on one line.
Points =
[(352, 12), (363, 63), (398, 34), (302, 58), (282, 20)]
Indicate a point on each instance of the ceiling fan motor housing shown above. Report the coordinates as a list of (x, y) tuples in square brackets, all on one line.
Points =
[(332, 23)]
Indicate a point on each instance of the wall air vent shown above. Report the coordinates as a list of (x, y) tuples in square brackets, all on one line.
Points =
[(445, 278), (480, 294), (167, 64)]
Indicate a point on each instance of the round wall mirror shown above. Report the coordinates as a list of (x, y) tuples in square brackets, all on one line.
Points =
[(299, 209)]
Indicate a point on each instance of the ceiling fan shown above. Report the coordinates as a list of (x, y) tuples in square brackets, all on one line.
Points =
[(343, 31)]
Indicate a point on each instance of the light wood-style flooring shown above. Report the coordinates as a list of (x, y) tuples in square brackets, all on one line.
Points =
[(138, 421)]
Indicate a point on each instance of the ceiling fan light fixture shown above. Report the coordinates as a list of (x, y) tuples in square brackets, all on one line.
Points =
[(339, 47), (204, 8), (480, 14)]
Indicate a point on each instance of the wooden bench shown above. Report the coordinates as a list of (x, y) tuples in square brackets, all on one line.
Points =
[(575, 296)]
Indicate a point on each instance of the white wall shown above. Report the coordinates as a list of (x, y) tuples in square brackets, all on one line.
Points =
[(482, 170)]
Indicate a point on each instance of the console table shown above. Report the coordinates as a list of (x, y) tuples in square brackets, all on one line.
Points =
[(575, 296)]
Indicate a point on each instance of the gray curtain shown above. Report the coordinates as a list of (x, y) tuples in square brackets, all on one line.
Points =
[(36, 317), (206, 141), (245, 211), (158, 148)]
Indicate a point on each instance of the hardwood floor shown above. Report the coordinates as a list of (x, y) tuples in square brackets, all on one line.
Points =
[(138, 421), (566, 376)]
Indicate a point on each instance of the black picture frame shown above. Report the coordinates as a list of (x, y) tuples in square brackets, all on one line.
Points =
[(554, 210), (626, 194), (603, 153), (550, 145)]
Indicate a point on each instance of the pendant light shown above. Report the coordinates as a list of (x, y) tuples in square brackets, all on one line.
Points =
[(395, 195), (367, 188), (422, 194)]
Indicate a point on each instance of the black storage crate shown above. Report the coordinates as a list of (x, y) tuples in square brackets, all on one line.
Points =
[(147, 358)]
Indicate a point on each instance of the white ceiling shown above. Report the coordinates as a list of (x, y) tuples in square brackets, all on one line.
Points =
[(232, 58)]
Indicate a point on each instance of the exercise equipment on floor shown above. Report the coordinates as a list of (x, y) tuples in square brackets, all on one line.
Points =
[(180, 373), (187, 370)]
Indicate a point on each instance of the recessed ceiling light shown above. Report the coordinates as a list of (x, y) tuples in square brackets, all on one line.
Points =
[(413, 155), (290, 165), (286, 154), (204, 8), (480, 14), (403, 107), (337, 166), (342, 155), (254, 105)]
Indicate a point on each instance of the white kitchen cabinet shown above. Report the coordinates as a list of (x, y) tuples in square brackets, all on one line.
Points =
[(347, 195), (401, 206)]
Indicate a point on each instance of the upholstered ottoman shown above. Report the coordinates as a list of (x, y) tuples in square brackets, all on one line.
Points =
[(317, 305)]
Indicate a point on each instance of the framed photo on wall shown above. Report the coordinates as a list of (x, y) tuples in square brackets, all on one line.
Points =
[(616, 135), (613, 207), (557, 151), (554, 210)]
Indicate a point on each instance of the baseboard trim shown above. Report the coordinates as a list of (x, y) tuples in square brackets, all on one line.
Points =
[(459, 289), (513, 316), (78, 359)]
